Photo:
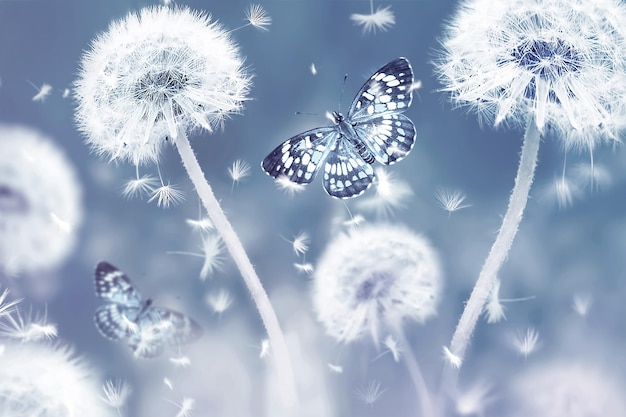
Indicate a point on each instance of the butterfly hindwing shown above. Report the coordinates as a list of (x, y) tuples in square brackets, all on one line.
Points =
[(115, 286), (390, 137), (346, 174), (116, 322), (387, 91), (299, 157)]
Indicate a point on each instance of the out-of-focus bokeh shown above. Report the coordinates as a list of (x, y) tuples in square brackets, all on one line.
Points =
[(562, 286)]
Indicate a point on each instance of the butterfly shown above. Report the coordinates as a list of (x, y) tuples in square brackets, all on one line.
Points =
[(373, 130), (127, 316)]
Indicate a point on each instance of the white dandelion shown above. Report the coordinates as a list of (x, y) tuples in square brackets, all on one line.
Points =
[(370, 392), (450, 200), (381, 19), (150, 79), (40, 202), (219, 301), (557, 64), (167, 195), (27, 328)]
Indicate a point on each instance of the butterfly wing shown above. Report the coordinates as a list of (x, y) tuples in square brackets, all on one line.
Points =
[(299, 157), (390, 137), (115, 286), (346, 174), (116, 322), (159, 327), (387, 91)]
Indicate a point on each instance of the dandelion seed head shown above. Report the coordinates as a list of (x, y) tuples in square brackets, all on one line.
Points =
[(26, 328), (142, 186), (167, 195), (382, 19), (561, 62), (258, 17), (568, 388), (373, 276), (37, 379), (450, 200), (40, 201), (152, 75), (239, 170)]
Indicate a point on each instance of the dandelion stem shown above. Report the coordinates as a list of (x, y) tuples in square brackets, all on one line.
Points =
[(498, 253), (415, 373), (268, 316)]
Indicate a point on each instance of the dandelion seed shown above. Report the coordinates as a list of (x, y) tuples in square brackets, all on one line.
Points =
[(393, 347), (370, 393), (526, 342), (7, 307), (212, 247), (185, 407), (335, 369), (66, 93), (581, 304), (145, 185), (181, 361), (258, 17), (167, 195), (391, 194), (313, 69), (450, 200), (593, 175), (168, 383), (289, 187), (300, 243), (204, 224), (355, 221), (116, 393), (474, 400), (453, 360), (42, 93), (565, 191), (63, 226), (306, 268), (27, 329), (494, 308), (239, 171), (219, 301), (416, 85), (265, 348), (381, 19)]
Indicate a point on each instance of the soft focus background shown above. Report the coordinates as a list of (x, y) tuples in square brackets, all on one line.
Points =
[(563, 256)]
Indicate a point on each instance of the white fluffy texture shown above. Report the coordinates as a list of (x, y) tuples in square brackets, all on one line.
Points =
[(562, 62), (154, 74), (566, 389), (375, 275), (37, 185), (47, 381)]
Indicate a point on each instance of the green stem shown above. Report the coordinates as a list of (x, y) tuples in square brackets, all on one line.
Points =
[(233, 244), (498, 253)]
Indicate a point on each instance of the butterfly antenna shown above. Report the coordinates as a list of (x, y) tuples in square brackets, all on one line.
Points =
[(303, 112), (343, 86)]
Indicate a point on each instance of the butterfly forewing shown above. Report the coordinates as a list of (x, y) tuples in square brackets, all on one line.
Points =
[(116, 322), (299, 157), (387, 91), (115, 286), (346, 174), (389, 137)]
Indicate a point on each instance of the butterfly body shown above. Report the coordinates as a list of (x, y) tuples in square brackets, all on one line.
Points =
[(147, 328), (374, 129)]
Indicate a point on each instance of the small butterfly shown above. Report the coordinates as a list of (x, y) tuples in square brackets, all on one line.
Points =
[(127, 316), (373, 130)]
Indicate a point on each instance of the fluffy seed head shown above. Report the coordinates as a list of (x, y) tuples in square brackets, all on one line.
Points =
[(42, 380), (38, 184), (561, 62), (375, 275), (154, 74)]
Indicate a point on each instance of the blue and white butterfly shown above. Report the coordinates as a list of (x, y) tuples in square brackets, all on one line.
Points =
[(373, 130), (127, 316)]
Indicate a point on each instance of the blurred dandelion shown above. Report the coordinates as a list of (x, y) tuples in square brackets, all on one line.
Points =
[(185, 407), (474, 400), (306, 268), (27, 328), (568, 389), (36, 181), (370, 392), (335, 369), (525, 342), (381, 19), (219, 301), (580, 304), (153, 77), (43, 380), (42, 92), (313, 69), (557, 64)]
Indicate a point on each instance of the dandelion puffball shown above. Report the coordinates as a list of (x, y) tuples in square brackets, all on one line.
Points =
[(561, 62), (44, 380), (375, 275), (40, 201), (155, 74)]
